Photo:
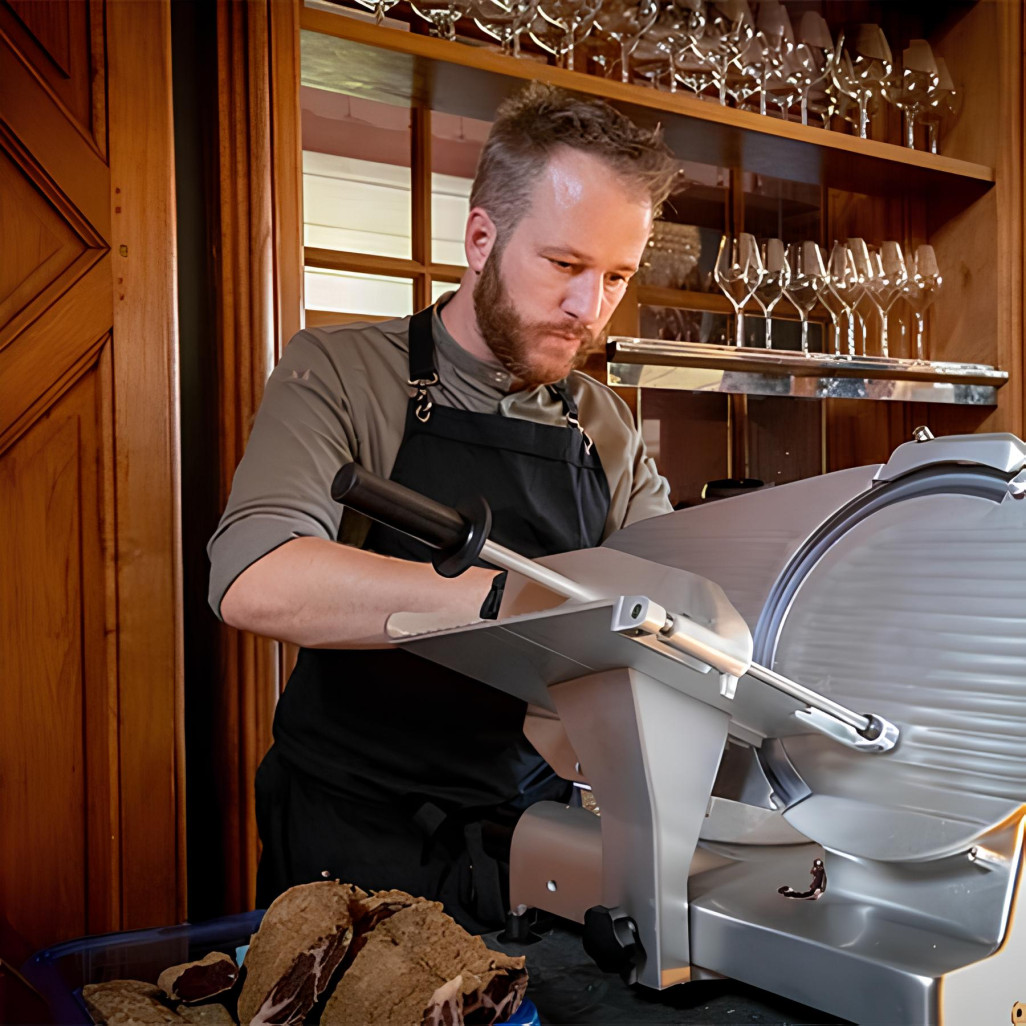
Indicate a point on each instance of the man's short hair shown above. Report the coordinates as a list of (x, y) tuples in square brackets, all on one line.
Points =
[(528, 129)]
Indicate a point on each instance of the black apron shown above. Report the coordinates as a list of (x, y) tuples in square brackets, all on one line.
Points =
[(389, 770)]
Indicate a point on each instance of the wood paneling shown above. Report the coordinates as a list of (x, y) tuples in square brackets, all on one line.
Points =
[(90, 783), (62, 41), (260, 240), (146, 405), (59, 871)]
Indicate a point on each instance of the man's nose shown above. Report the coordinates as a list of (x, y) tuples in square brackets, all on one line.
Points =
[(583, 298)]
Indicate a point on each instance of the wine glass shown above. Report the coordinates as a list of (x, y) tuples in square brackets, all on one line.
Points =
[(775, 277), (664, 45), (942, 101), (505, 21), (807, 279), (922, 284), (679, 24), (442, 14), (862, 257), (919, 80), (738, 272), (810, 62), (625, 22), (887, 282), (769, 49), (844, 282), (573, 19), (728, 29), (379, 7), (862, 71)]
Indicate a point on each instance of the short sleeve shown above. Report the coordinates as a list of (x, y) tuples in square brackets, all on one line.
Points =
[(302, 434)]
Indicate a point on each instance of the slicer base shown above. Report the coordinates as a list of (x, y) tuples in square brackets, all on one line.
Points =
[(865, 962)]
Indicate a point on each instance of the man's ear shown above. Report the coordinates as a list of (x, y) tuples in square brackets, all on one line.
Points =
[(479, 239)]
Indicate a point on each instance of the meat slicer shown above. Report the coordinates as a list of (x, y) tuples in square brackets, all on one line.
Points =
[(802, 716)]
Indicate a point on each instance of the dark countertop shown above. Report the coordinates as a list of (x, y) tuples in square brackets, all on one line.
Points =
[(569, 989)]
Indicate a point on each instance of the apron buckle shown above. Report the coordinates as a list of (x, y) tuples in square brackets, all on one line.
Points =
[(424, 404)]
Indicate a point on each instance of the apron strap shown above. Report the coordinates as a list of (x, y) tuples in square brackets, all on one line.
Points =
[(558, 390), (423, 372)]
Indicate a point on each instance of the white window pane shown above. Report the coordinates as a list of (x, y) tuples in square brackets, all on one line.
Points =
[(450, 204), (347, 292), (439, 289), (356, 205)]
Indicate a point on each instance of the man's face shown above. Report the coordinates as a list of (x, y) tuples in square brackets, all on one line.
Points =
[(554, 285)]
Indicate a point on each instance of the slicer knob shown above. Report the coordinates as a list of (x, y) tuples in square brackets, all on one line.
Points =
[(611, 939)]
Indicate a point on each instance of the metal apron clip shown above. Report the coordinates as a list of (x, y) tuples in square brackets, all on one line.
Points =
[(424, 405)]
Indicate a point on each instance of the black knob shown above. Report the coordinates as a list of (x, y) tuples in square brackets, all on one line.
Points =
[(611, 939)]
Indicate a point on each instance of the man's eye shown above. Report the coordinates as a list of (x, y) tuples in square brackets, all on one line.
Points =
[(563, 265), (617, 279)]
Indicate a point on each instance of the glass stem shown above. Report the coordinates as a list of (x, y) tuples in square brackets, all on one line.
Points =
[(884, 347), (769, 329), (920, 325), (805, 108), (805, 335), (851, 335), (625, 56), (910, 130), (931, 135), (739, 338), (863, 117)]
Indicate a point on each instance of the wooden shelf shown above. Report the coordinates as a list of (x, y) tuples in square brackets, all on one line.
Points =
[(350, 56)]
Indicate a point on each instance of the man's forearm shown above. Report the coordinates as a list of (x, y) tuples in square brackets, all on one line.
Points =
[(320, 594)]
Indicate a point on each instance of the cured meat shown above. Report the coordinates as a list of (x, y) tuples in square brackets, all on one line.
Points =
[(198, 981), (295, 953), (126, 1002), (419, 966)]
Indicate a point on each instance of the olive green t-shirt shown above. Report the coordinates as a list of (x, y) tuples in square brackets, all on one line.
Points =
[(340, 394)]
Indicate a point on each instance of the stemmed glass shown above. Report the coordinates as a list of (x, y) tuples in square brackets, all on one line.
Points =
[(845, 283), (573, 19), (769, 49), (443, 14), (941, 102), (921, 287), (775, 277), (625, 22), (811, 61), (728, 29), (679, 25), (379, 7), (885, 284), (505, 21), (862, 257), (919, 80), (807, 279), (862, 77), (738, 272)]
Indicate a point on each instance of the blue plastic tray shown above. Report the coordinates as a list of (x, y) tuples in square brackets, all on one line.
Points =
[(58, 973)]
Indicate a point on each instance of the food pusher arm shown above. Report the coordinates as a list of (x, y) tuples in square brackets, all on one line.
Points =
[(460, 537)]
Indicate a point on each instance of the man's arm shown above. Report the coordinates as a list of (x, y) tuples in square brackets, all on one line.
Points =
[(276, 569), (319, 594)]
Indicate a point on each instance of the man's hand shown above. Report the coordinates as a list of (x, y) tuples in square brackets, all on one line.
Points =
[(319, 594)]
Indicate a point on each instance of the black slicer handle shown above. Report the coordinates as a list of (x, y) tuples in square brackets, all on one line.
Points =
[(457, 535)]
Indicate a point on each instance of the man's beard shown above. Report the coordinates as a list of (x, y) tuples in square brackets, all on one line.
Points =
[(518, 344)]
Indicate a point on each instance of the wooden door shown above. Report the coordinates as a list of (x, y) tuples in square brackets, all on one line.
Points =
[(90, 781)]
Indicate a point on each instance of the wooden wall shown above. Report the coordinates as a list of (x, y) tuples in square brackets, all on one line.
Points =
[(91, 774)]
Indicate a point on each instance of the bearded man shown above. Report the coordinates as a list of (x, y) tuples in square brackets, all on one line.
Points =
[(388, 771)]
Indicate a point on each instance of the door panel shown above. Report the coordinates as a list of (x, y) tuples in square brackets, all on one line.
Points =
[(57, 864), (90, 778)]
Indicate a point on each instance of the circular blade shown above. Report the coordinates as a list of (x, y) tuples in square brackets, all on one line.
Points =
[(910, 604)]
